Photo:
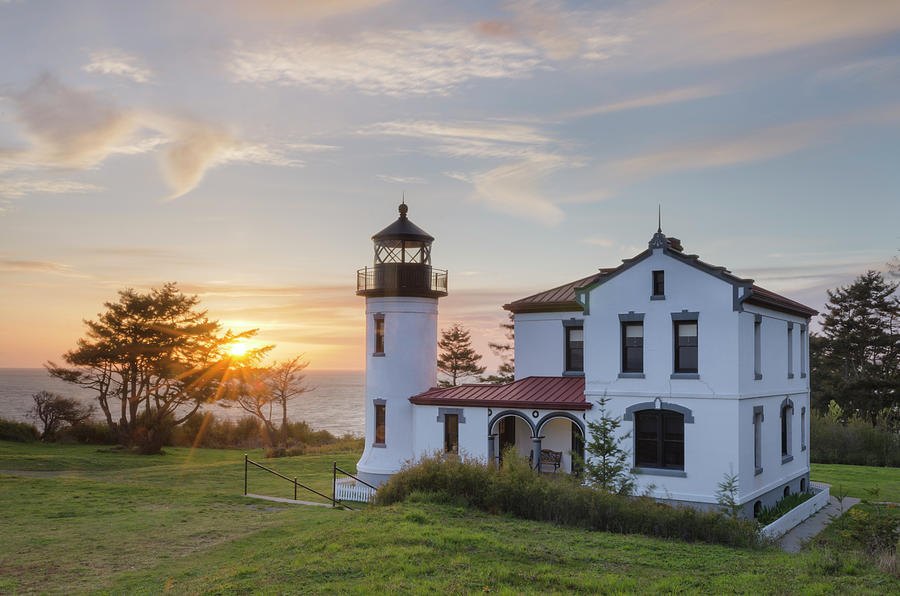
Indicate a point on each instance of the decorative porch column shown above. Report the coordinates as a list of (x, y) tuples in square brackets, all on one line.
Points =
[(536, 453), (492, 450)]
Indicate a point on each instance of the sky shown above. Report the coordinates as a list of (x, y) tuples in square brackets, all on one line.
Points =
[(249, 150)]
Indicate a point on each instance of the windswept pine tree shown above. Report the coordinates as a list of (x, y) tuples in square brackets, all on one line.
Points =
[(457, 358), (506, 351)]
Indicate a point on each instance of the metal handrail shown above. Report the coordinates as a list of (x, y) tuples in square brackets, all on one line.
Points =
[(335, 470), (247, 461)]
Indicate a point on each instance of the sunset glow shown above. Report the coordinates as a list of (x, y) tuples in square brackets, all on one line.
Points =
[(249, 150), (238, 349)]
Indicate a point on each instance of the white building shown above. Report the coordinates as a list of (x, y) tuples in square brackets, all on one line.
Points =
[(708, 371)]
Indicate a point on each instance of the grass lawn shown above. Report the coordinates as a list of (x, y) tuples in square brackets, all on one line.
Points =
[(856, 479), (111, 522)]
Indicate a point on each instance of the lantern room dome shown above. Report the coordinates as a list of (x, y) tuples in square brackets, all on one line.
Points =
[(403, 229)]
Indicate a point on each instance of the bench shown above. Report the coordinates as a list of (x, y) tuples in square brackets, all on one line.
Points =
[(548, 458)]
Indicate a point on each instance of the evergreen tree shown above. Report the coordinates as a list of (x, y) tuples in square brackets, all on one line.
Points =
[(457, 359), (856, 361), (506, 372), (607, 466)]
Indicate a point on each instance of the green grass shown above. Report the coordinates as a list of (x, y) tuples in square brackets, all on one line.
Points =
[(856, 479), (118, 523)]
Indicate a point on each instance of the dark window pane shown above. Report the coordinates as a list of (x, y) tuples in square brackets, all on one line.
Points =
[(632, 347), (659, 286), (575, 349), (646, 454), (686, 347), (379, 423), (379, 336), (451, 433), (659, 439)]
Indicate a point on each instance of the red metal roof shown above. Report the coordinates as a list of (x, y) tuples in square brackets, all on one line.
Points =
[(561, 298), (556, 393), (765, 297)]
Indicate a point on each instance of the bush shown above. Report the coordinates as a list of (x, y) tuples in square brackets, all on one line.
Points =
[(515, 489), (92, 433), (854, 442), (770, 514), (18, 431)]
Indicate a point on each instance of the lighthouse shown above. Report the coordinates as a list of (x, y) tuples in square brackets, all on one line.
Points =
[(401, 291)]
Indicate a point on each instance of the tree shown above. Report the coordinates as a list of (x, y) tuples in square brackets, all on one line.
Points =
[(151, 360), (249, 390), (53, 411), (285, 382), (506, 372), (856, 361), (607, 466), (457, 359)]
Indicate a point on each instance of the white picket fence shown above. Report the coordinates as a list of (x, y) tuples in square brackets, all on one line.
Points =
[(347, 489)]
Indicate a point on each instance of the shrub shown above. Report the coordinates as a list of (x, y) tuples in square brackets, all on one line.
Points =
[(854, 442), (515, 489), (18, 431), (770, 514), (92, 433)]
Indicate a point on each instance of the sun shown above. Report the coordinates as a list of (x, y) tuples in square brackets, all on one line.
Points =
[(239, 348)]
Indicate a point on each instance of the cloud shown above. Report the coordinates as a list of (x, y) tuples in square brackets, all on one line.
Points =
[(401, 179), (76, 128), (10, 265), (657, 99), (878, 70), (515, 189), (749, 147), (294, 10), (396, 63), (119, 64), (19, 187)]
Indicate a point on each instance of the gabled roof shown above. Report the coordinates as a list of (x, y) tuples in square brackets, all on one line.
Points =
[(557, 393), (563, 298)]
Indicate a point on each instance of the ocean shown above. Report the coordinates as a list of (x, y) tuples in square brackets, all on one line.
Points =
[(334, 403)]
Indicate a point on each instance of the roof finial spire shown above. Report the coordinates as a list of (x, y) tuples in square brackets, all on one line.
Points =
[(403, 208), (659, 218)]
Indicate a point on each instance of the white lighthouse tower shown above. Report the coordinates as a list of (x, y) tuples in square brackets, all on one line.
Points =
[(401, 291)]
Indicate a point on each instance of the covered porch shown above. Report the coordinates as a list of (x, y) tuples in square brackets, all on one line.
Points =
[(541, 419)]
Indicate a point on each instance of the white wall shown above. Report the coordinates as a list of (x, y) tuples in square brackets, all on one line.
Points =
[(429, 433), (773, 353), (686, 288), (540, 343), (407, 368)]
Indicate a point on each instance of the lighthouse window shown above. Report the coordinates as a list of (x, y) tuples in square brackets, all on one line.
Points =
[(451, 433), (379, 335), (379, 424)]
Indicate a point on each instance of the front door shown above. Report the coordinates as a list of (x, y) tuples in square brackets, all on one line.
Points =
[(506, 429)]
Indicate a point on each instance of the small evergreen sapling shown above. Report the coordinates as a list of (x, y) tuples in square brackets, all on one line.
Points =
[(607, 466), (727, 495)]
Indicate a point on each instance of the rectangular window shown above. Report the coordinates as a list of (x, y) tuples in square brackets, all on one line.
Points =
[(802, 350), (757, 438), (379, 424), (379, 335), (757, 348), (790, 350), (632, 347), (659, 283), (685, 346), (575, 349), (786, 416), (659, 439), (803, 428), (451, 433)]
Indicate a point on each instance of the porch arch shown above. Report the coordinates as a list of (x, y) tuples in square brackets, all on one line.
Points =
[(553, 415), (515, 413)]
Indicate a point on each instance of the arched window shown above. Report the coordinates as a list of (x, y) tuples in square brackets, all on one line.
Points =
[(787, 490), (659, 439), (757, 509), (803, 485)]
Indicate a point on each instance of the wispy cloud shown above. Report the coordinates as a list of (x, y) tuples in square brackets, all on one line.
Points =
[(515, 189), (19, 187), (670, 96), (10, 265), (748, 147), (118, 63), (401, 179), (76, 128), (396, 63)]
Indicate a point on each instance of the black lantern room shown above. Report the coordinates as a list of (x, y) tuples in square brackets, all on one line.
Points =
[(402, 263)]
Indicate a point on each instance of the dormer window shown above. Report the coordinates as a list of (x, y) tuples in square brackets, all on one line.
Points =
[(659, 285)]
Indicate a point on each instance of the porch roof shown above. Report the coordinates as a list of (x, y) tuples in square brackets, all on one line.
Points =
[(548, 393)]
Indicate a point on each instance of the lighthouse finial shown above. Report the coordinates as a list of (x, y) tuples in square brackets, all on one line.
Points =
[(403, 208)]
